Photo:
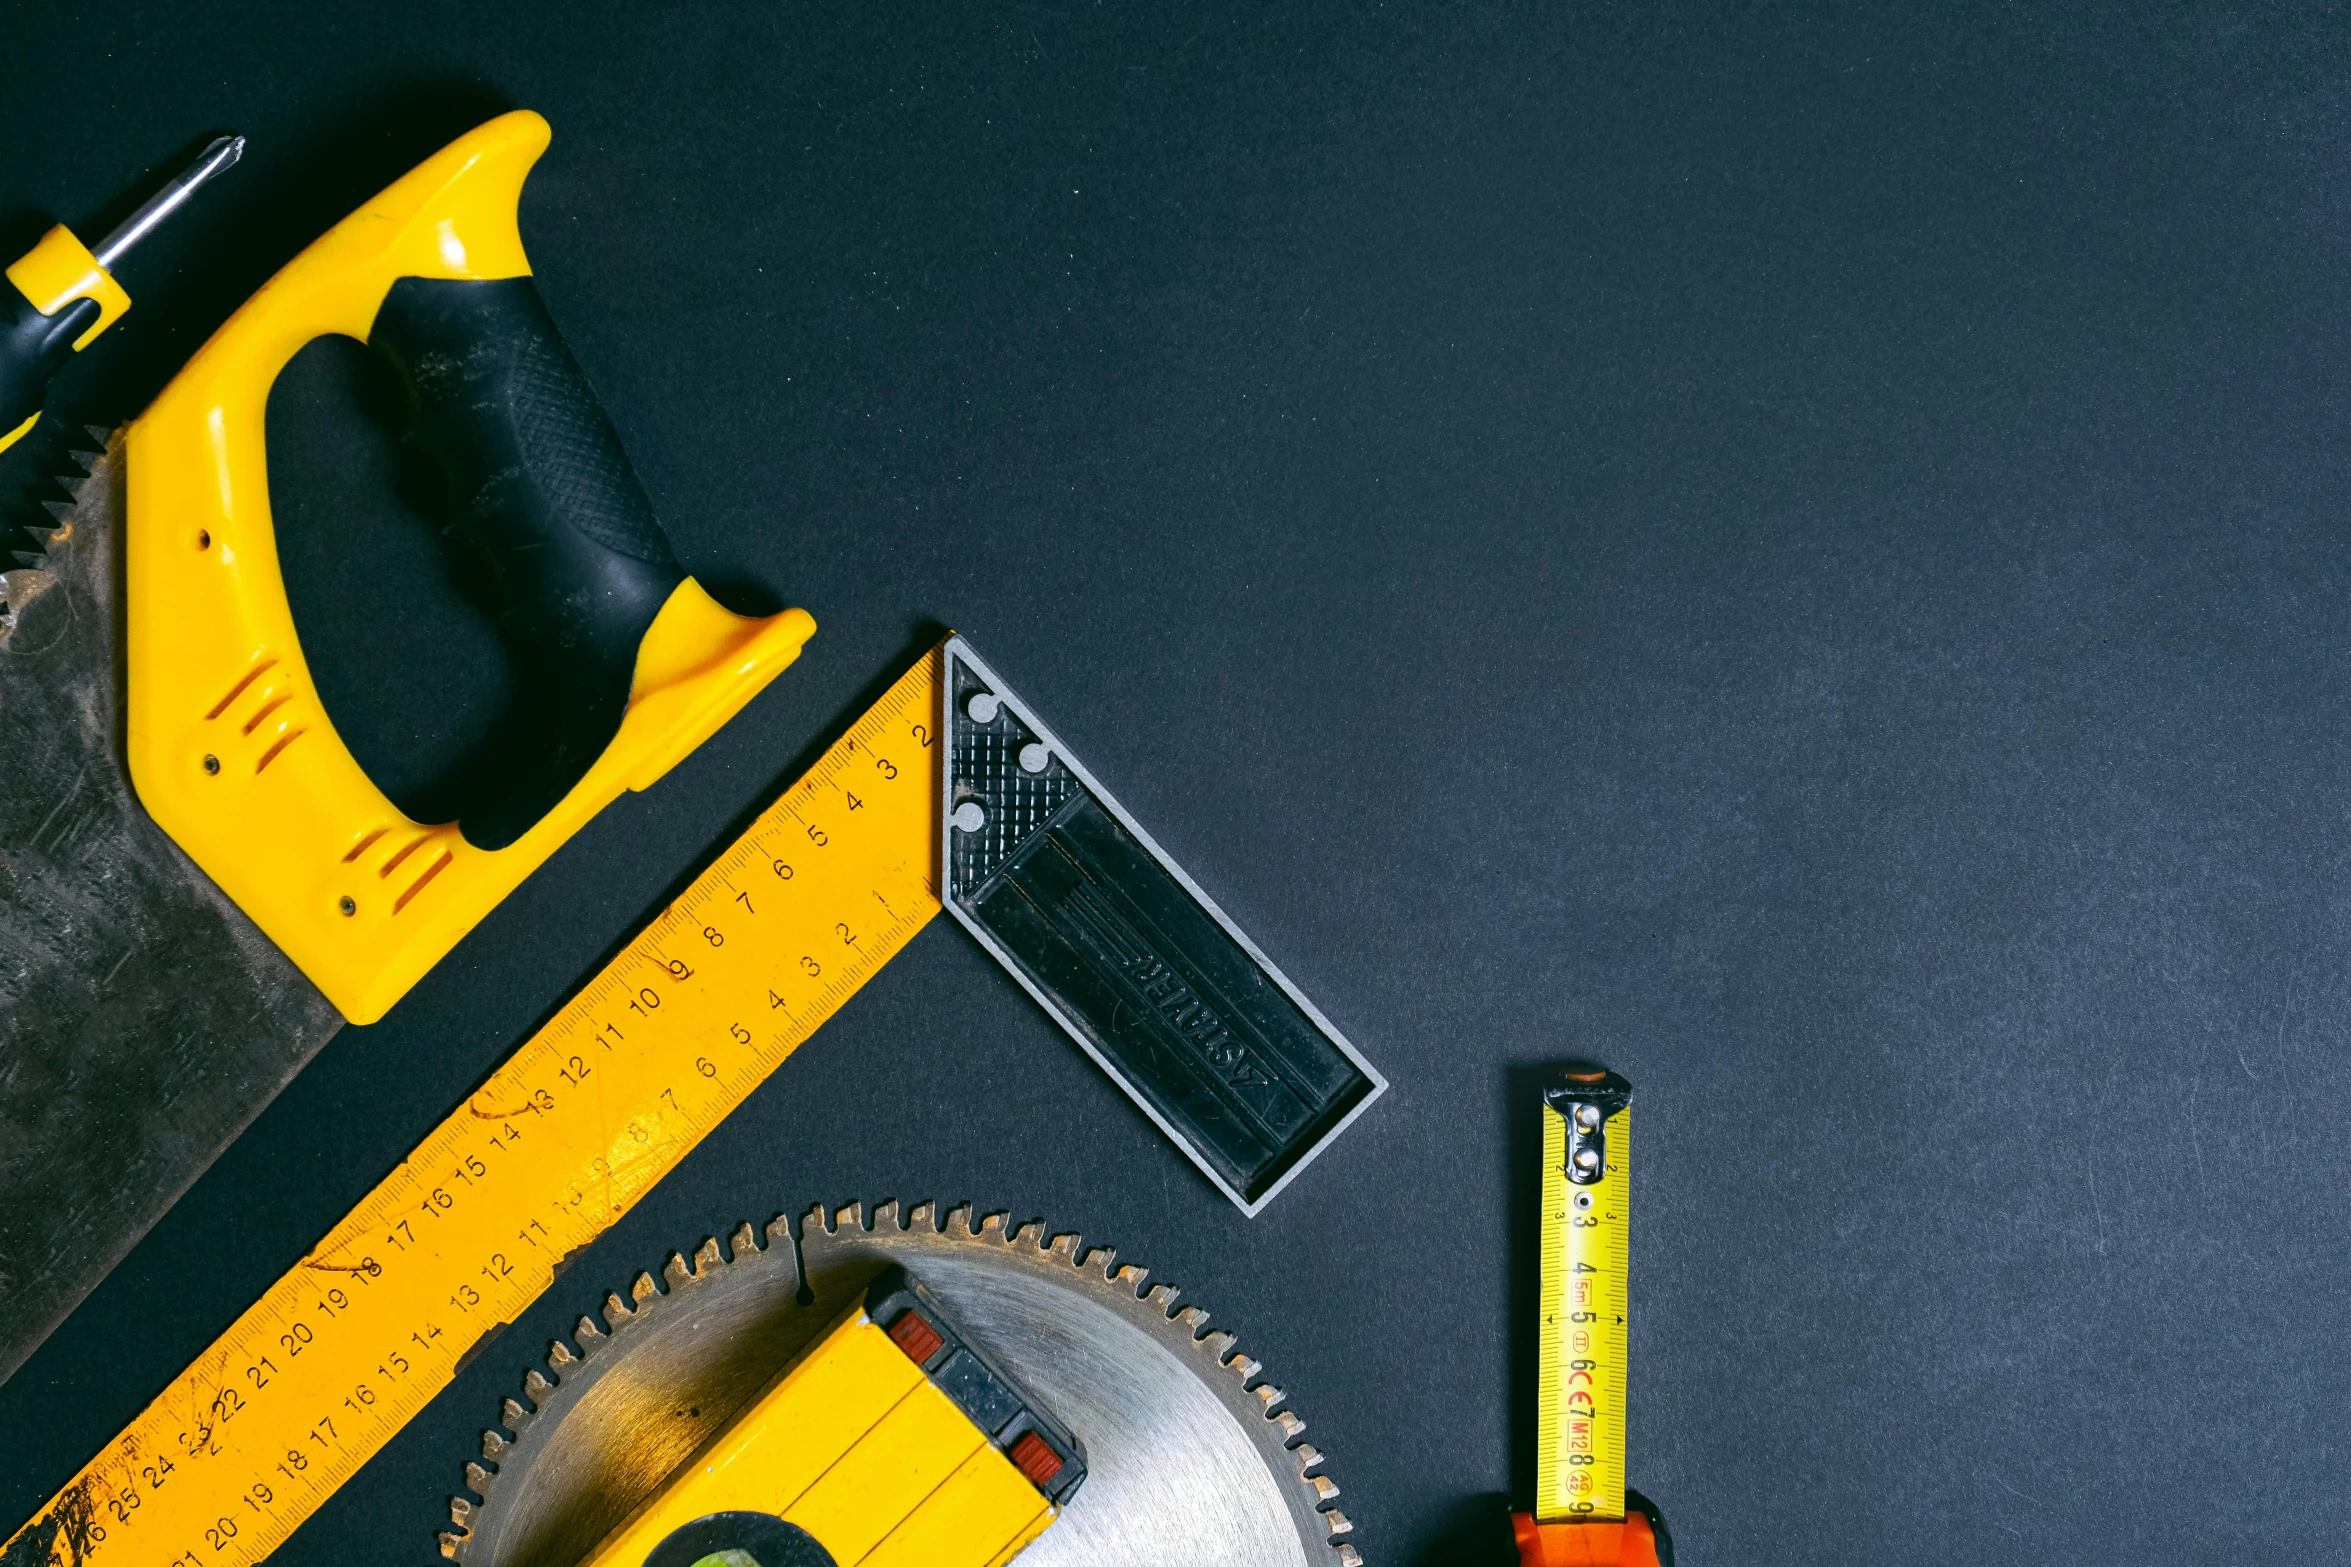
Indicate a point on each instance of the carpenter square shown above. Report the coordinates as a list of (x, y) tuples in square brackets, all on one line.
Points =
[(1128, 954)]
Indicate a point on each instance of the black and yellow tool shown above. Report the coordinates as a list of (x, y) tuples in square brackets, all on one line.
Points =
[(64, 294), (1582, 1361), (149, 1017), (890, 1442)]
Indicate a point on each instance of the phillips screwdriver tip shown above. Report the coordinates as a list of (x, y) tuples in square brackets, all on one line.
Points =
[(219, 155)]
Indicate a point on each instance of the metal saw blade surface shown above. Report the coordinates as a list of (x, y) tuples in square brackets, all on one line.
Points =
[(1191, 1455), (144, 1020)]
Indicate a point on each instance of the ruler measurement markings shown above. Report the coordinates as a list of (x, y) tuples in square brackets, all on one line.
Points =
[(248, 1403)]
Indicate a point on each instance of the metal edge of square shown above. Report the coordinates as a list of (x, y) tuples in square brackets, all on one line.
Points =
[(955, 649)]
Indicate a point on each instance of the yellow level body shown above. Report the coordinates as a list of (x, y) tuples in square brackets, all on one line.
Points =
[(854, 1444), (1581, 1354), (580, 1122)]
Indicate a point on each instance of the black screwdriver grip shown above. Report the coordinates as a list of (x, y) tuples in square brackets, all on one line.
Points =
[(33, 348), (539, 486)]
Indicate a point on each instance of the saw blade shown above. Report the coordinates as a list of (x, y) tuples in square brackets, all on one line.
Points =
[(144, 1020), (1192, 1455)]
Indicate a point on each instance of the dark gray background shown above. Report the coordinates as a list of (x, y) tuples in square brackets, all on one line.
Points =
[(1795, 551)]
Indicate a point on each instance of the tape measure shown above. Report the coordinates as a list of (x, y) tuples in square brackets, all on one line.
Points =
[(1581, 1357), (829, 883)]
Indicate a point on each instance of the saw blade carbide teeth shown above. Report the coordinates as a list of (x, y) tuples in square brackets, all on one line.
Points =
[(1164, 1410)]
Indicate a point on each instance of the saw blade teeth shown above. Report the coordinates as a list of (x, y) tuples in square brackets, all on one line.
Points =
[(823, 1251), (58, 511), (101, 434)]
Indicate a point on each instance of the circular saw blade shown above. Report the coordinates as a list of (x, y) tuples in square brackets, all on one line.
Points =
[(1191, 1454)]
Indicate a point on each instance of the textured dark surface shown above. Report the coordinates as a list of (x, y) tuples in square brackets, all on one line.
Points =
[(1795, 550)]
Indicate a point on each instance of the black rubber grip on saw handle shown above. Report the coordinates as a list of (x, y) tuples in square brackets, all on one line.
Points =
[(539, 485), (33, 348)]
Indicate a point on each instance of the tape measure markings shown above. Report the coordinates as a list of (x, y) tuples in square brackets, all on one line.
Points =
[(1582, 1354), (578, 1124)]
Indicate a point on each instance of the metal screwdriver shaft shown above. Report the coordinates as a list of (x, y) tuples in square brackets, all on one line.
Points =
[(217, 158), (61, 294)]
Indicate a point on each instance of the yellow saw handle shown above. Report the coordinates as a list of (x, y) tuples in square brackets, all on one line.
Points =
[(230, 748)]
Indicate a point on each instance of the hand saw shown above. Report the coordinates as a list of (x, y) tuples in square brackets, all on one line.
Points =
[(169, 958)]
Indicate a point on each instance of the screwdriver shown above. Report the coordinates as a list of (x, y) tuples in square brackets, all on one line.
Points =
[(64, 293)]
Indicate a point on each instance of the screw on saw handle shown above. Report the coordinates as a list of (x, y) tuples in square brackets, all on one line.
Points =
[(63, 293), (541, 487)]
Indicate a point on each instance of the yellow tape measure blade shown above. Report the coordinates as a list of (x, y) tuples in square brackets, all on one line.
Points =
[(1582, 1356)]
